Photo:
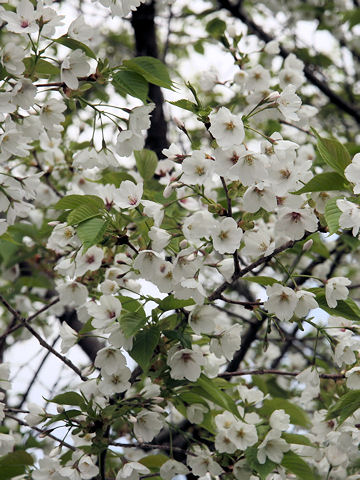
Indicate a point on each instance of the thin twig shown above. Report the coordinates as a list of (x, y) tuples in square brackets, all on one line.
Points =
[(272, 371), (44, 433)]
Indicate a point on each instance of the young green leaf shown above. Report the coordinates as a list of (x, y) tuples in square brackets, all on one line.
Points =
[(146, 163), (346, 406), (152, 69), (91, 231), (332, 215), (82, 213), (127, 82), (75, 45), (295, 464), (73, 201), (324, 182), (144, 346), (131, 322), (333, 153)]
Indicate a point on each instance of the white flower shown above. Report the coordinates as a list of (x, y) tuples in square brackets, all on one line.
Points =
[(197, 168), (227, 129), (227, 343), (116, 382), (23, 21), (121, 8), (195, 412), (279, 420), (335, 289), (87, 468), (226, 235), (73, 66), (88, 261), (281, 301), (350, 217), (249, 167), (49, 470), (106, 313), (294, 222), (7, 444), (272, 447), (243, 435), (81, 31), (128, 195), (185, 363), (36, 414), (311, 379), (147, 425), (257, 243), (202, 319), (128, 141), (353, 378), (289, 103), (352, 172), (258, 79), (201, 462), (260, 195), (171, 468), (12, 58), (110, 360), (72, 294), (159, 238), (306, 302), (132, 471), (69, 337)]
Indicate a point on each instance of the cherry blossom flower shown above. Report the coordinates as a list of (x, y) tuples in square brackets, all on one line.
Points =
[(132, 471), (226, 235), (306, 302), (202, 463), (72, 294), (128, 195), (147, 425), (335, 289), (23, 21), (227, 129), (281, 301), (106, 313), (201, 319), (352, 172), (171, 468), (350, 216), (272, 447), (69, 337), (89, 260), (353, 378), (195, 412), (289, 103), (73, 66), (185, 363), (294, 222), (197, 168)]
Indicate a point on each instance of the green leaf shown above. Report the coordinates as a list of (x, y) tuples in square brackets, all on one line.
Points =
[(346, 406), (295, 464), (352, 16), (144, 346), (131, 322), (68, 398), (297, 414), (152, 69), (82, 213), (209, 390), (75, 45), (263, 469), (324, 182), (14, 464), (185, 340), (154, 462), (146, 163), (186, 105), (172, 303), (73, 201), (332, 215), (333, 153), (127, 82), (115, 178), (344, 308), (41, 68), (216, 27), (261, 280), (91, 231), (297, 439)]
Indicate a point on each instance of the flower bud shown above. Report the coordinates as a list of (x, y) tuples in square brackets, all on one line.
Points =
[(307, 245)]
